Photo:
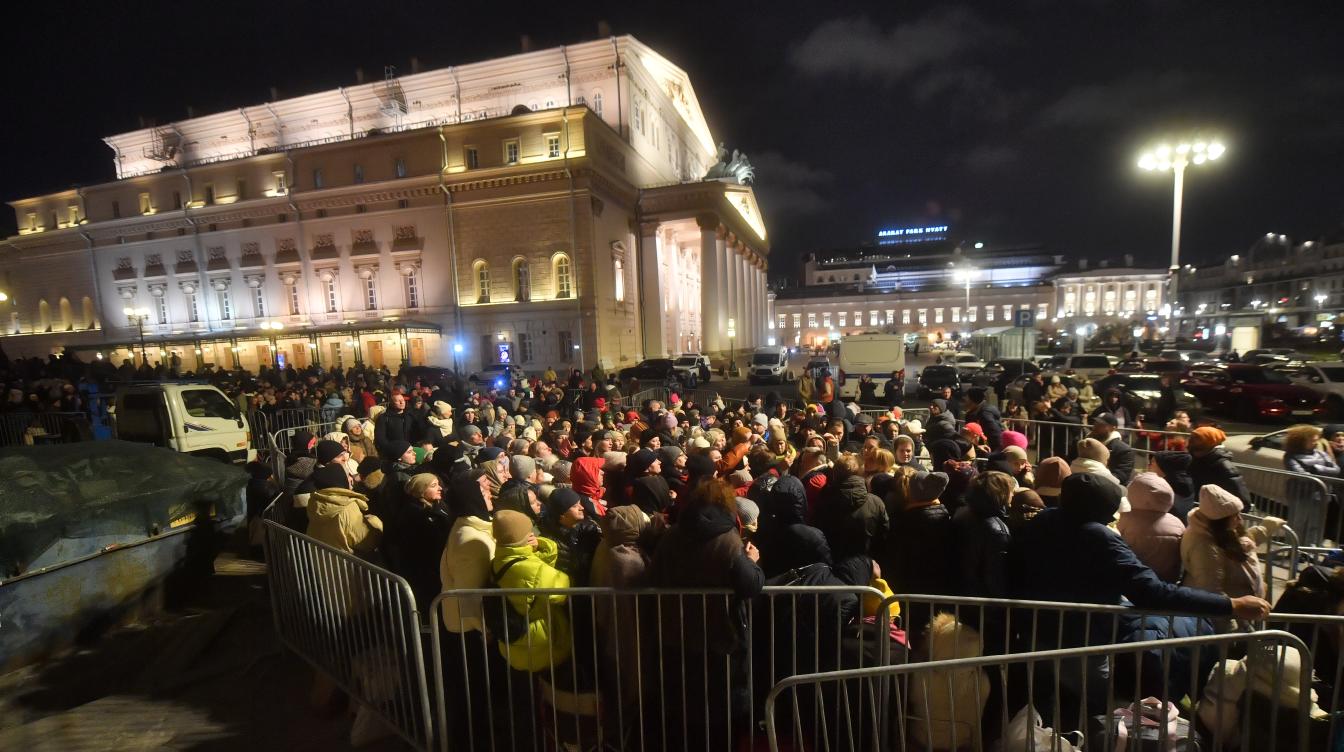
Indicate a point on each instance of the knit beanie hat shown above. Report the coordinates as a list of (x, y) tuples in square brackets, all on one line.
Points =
[(1209, 435), (329, 476), (1173, 462), (511, 528), (560, 470), (1014, 439), (415, 487), (1013, 451), (369, 465), (613, 460), (1150, 492), (1216, 503), (926, 487), (488, 454), (1091, 449), (521, 466), (1050, 475), (327, 451), (638, 463), (669, 454), (396, 449)]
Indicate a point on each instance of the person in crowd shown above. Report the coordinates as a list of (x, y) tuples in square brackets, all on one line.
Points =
[(1334, 437), (397, 424), (973, 434), (806, 387), (785, 538), (465, 563), (1056, 390), (812, 470), (1211, 463), (983, 536), (523, 562), (1092, 456), (947, 704), (648, 489), (440, 421), (1049, 476), (564, 520), (1034, 389), (1218, 551), (1120, 457), (414, 544), (920, 551), (339, 516), (984, 414), (903, 452), (361, 445), (1152, 532), (942, 423), (1174, 468), (892, 391), (867, 390), (1018, 465), (825, 388), (1112, 402), (1305, 452), (587, 477), (853, 520)]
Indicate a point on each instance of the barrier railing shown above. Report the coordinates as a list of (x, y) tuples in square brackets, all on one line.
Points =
[(661, 669), (355, 623), (25, 428), (1087, 694), (281, 444)]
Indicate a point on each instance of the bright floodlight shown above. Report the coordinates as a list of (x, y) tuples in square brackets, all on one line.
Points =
[(1215, 150), (1148, 161)]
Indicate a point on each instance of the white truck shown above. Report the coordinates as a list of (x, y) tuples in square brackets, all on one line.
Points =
[(191, 418), (769, 365), (877, 355)]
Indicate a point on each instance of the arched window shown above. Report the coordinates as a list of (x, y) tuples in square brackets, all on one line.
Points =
[(522, 280), (89, 317), (67, 315), (620, 281), (597, 103), (482, 272), (43, 316), (564, 276)]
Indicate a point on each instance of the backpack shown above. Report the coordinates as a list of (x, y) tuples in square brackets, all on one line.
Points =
[(502, 620)]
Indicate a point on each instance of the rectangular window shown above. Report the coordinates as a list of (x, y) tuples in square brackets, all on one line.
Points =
[(32, 221), (293, 299), (162, 308), (209, 194), (566, 347), (116, 210), (371, 294), (412, 283), (937, 315), (553, 145), (471, 158), (905, 316), (524, 347), (359, 173), (281, 183), (511, 151), (798, 321), (145, 206), (989, 313), (259, 301), (842, 318), (240, 191), (225, 306), (970, 314), (639, 119), (193, 310), (891, 317), (923, 316), (177, 199), (783, 321), (812, 320), (956, 314), (1042, 311), (401, 167), (619, 280), (333, 301), (826, 320), (1008, 313), (317, 177)]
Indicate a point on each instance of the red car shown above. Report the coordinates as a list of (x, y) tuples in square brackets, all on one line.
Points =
[(1247, 391)]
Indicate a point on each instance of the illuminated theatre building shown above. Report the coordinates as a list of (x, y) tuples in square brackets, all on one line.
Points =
[(558, 207)]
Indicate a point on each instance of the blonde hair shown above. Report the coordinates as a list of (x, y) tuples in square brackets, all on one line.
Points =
[(899, 495), (1301, 438), (883, 461)]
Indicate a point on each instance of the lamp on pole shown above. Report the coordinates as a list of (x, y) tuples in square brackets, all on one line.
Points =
[(139, 316), (272, 329), (1176, 158), (965, 275), (732, 347)]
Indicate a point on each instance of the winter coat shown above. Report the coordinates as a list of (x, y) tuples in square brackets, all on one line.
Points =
[(806, 388), (940, 426), (296, 473), (465, 565), (576, 547), (1186, 498), (549, 638), (988, 417), (784, 539), (1315, 462), (1154, 535), (1121, 462), (1216, 468), (983, 537), (732, 459), (414, 545), (361, 446), (340, 518), (921, 551), (1084, 465), (853, 520), (704, 550), (392, 427), (439, 428), (1208, 568), (948, 703), (651, 494)]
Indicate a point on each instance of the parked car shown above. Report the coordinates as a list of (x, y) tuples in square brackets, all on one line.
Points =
[(1252, 392), (1001, 371), (497, 376), (933, 378), (1326, 379), (1091, 365), (1141, 392), (1188, 356), (965, 363), (1266, 355), (1153, 365), (653, 370), (693, 368), (1262, 450), (769, 365), (427, 374), (1014, 389)]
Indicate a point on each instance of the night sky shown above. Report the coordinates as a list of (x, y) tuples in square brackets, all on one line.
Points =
[(1014, 121)]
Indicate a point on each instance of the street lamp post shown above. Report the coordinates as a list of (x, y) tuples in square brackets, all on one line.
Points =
[(138, 316), (965, 275), (1176, 158), (732, 347)]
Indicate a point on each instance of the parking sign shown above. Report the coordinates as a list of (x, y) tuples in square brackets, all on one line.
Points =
[(1025, 317)]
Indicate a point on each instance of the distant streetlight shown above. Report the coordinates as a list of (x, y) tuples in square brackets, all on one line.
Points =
[(3, 297), (1320, 299), (732, 346), (965, 275), (139, 316), (1176, 158)]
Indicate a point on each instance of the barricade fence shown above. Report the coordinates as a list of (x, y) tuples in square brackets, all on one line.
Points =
[(281, 444), (1079, 695), (356, 624), (26, 428)]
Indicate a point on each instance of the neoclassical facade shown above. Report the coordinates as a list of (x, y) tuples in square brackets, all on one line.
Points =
[(547, 208)]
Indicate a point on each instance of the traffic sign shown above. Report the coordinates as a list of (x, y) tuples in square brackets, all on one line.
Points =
[(1025, 317)]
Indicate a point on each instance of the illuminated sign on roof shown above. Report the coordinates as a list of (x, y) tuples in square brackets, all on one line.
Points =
[(894, 235)]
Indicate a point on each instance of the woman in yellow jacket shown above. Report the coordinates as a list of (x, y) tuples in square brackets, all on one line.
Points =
[(524, 562)]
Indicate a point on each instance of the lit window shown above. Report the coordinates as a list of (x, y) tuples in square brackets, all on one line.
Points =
[(524, 347), (259, 301), (564, 282), (74, 214), (193, 309), (511, 151), (162, 308), (145, 206), (619, 280), (783, 321), (891, 316), (989, 313), (225, 306), (798, 321), (905, 316), (956, 315), (412, 283), (812, 320), (1042, 311), (293, 298), (281, 184), (209, 194), (401, 167), (522, 281), (482, 282), (371, 293), (937, 315), (552, 145), (471, 158), (842, 318), (597, 103), (333, 300), (923, 316), (1008, 313), (970, 314), (826, 320)]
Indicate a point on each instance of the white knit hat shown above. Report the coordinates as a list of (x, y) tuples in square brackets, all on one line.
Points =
[(1216, 503)]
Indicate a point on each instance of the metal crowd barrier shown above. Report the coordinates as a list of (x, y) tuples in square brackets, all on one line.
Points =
[(1302, 500), (355, 623), (636, 401), (635, 669), (25, 428), (975, 702), (281, 444)]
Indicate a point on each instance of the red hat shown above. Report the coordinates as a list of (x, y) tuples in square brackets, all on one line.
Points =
[(600, 404), (631, 416), (974, 429)]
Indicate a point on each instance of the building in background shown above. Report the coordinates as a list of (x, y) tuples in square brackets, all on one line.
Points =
[(532, 209)]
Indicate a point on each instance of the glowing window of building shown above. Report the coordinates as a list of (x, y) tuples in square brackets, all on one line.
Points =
[(905, 316), (842, 318), (989, 313), (482, 272), (618, 269), (412, 283), (553, 145), (1008, 313), (937, 315), (798, 321), (564, 279), (293, 298), (956, 314), (812, 320)]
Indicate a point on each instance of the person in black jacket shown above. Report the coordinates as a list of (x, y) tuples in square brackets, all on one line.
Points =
[(982, 531), (1211, 464), (1034, 389), (648, 489), (1105, 428), (921, 549), (785, 540), (942, 424), (397, 424), (978, 411), (854, 521), (1175, 468)]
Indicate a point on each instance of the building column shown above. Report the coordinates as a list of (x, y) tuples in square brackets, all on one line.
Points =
[(650, 291), (711, 275), (757, 306), (763, 320), (740, 299), (730, 294)]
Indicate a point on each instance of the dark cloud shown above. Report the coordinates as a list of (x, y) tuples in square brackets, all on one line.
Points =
[(988, 158), (1118, 100), (789, 188), (858, 47)]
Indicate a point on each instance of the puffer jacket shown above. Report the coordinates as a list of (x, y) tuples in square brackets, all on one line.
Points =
[(1154, 535), (1208, 568), (982, 529), (439, 428), (1315, 462), (339, 518), (949, 702), (854, 521), (940, 426), (361, 446), (549, 639), (465, 565), (921, 551), (1216, 468), (784, 539)]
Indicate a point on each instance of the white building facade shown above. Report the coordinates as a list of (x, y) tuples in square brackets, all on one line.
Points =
[(501, 210)]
